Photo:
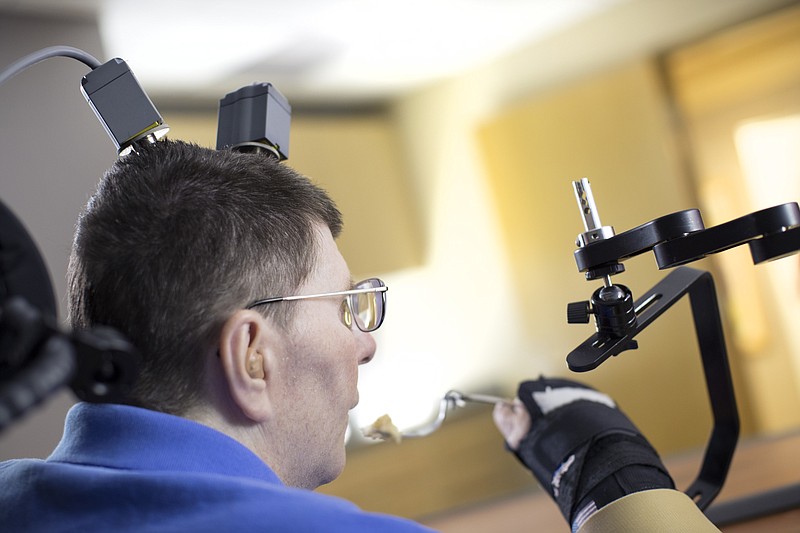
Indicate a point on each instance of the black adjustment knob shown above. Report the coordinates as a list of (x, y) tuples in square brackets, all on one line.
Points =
[(578, 312), (605, 270)]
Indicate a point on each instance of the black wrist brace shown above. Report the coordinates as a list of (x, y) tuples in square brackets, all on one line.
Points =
[(586, 453)]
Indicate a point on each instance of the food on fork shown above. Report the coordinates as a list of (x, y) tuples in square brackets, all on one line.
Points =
[(383, 429)]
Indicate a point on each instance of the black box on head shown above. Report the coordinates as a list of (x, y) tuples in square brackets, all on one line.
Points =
[(122, 106), (254, 118)]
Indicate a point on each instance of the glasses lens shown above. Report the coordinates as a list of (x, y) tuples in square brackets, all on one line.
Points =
[(369, 306), (347, 316)]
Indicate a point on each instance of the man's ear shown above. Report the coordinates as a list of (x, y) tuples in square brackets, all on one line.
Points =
[(245, 348)]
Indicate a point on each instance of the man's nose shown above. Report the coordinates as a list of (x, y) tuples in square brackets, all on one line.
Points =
[(367, 348)]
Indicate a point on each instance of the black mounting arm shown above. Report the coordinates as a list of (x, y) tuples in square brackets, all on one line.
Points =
[(681, 238), (676, 239), (699, 285)]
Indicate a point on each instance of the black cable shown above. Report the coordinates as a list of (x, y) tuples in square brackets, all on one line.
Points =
[(46, 53)]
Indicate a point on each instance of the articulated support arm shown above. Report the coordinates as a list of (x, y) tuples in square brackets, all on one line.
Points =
[(675, 239)]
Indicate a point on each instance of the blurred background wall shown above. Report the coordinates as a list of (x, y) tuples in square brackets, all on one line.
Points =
[(457, 192)]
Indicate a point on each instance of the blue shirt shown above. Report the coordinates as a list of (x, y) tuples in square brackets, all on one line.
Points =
[(120, 468)]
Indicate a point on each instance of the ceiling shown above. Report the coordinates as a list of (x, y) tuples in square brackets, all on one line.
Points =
[(315, 51)]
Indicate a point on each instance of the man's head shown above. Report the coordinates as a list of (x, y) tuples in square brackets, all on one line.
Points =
[(171, 249), (178, 237)]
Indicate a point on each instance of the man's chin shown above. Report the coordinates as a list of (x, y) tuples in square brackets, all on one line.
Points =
[(335, 471)]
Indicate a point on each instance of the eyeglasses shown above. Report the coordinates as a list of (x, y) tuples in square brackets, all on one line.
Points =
[(365, 303)]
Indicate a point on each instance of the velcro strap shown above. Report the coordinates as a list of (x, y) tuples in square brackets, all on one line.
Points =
[(604, 456), (611, 453)]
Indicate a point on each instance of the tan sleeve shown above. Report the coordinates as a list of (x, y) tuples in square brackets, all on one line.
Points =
[(654, 511)]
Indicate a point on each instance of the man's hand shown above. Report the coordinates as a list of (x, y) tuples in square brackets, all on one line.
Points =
[(580, 447), (513, 421)]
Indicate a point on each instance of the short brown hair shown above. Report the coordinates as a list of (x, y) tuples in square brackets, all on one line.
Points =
[(177, 238)]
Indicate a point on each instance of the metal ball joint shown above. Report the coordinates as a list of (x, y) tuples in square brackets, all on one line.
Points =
[(612, 307)]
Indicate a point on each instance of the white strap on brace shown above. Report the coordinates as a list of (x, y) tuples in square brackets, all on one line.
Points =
[(551, 399)]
